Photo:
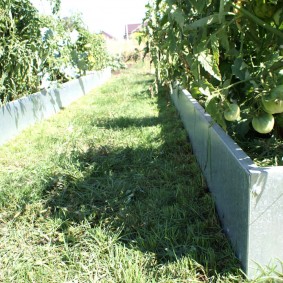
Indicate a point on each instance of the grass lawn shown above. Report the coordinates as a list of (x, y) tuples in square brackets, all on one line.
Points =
[(109, 191)]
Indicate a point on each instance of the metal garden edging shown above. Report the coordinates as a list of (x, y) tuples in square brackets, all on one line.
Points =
[(248, 198), (26, 111)]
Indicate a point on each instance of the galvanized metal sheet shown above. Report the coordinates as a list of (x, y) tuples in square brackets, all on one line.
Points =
[(18, 115), (249, 199)]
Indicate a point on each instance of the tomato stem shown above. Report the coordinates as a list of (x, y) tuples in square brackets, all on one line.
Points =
[(234, 84)]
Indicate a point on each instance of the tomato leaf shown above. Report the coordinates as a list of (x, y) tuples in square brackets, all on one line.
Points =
[(240, 69), (193, 65), (212, 108), (223, 39), (179, 17), (198, 5), (208, 63), (215, 48)]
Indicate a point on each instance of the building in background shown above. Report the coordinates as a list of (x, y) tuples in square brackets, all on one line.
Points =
[(130, 29), (107, 36)]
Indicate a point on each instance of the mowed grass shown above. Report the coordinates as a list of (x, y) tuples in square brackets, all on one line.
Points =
[(108, 191)]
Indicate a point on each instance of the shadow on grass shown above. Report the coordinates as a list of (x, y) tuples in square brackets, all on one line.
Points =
[(125, 122), (155, 195)]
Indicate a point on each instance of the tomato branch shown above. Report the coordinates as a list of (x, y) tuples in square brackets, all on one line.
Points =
[(258, 21)]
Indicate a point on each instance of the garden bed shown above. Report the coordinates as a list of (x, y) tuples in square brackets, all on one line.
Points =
[(19, 114), (108, 190), (248, 198)]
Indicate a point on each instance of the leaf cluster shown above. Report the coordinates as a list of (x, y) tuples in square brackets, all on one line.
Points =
[(36, 51), (223, 51)]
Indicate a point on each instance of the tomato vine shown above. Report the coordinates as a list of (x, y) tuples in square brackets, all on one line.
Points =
[(229, 54)]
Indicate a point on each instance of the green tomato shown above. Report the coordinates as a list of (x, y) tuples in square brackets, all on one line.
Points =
[(273, 103), (195, 92), (264, 10), (263, 123), (232, 113), (272, 106)]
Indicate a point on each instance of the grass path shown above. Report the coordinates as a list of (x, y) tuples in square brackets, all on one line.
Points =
[(108, 191)]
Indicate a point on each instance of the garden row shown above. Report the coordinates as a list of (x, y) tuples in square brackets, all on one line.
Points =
[(228, 54), (37, 51)]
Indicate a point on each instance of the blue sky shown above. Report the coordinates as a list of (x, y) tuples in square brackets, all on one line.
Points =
[(108, 15)]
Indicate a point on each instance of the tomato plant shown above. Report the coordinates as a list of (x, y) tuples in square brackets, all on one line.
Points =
[(228, 54), (19, 38), (263, 9), (36, 50)]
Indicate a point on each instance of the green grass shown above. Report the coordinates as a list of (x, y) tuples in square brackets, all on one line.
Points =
[(109, 191)]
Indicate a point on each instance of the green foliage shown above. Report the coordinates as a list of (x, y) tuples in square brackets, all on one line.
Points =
[(229, 51), (37, 50), (55, 5), (117, 63), (19, 39), (71, 49), (94, 47)]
